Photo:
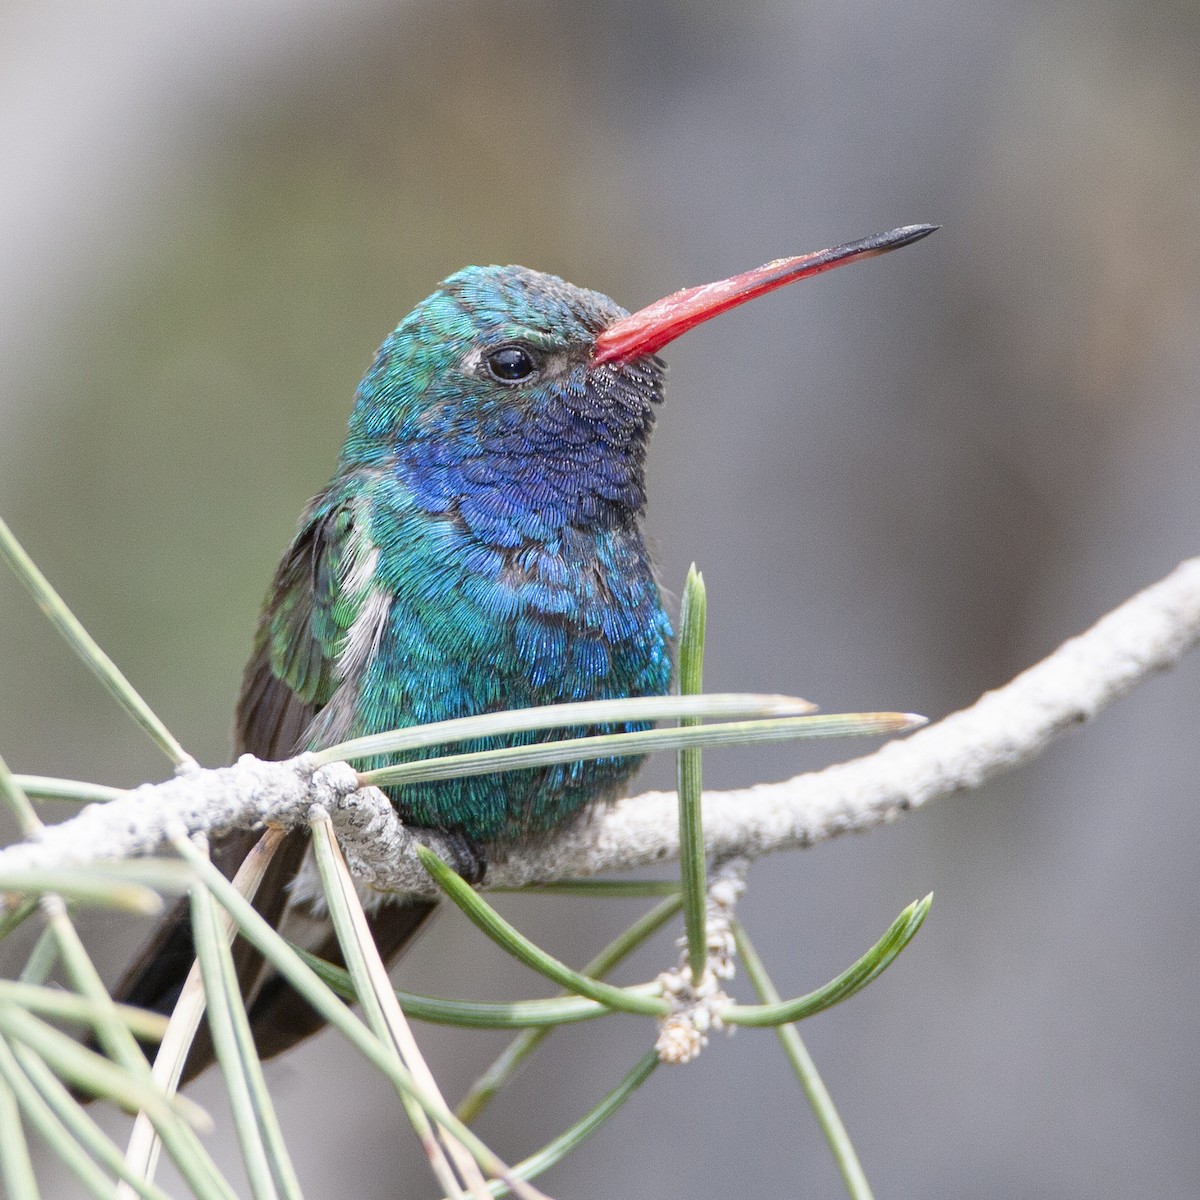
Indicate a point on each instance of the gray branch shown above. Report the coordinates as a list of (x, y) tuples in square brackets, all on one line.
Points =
[(1003, 729)]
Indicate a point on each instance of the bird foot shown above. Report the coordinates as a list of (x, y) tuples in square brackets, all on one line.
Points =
[(465, 857)]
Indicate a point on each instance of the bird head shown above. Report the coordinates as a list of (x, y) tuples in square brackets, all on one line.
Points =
[(510, 378)]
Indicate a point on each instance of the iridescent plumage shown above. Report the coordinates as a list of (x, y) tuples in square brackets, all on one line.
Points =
[(479, 548)]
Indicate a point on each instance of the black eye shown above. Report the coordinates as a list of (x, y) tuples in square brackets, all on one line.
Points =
[(510, 364)]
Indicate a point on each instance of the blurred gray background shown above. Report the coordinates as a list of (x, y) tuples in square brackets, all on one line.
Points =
[(904, 482)]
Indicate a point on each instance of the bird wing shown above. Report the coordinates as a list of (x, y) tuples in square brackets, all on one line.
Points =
[(317, 595), (321, 613)]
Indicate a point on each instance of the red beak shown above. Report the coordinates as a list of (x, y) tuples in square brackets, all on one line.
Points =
[(652, 327)]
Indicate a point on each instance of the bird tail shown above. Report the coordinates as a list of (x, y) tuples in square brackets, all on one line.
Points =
[(279, 1016)]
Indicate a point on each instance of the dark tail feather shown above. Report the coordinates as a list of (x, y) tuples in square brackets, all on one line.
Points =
[(157, 975), (279, 1017)]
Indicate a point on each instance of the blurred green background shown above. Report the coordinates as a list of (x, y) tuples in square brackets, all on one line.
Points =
[(904, 482)]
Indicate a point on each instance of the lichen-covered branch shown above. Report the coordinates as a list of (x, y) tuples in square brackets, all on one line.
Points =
[(696, 1007), (1003, 729)]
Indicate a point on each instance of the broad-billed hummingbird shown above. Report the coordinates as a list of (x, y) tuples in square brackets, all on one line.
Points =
[(478, 548)]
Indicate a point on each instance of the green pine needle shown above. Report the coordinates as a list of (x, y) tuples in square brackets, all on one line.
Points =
[(16, 1167), (692, 866), (555, 1151), (488, 1085), (806, 1071), (852, 980), (73, 791), (521, 948), (554, 716), (67, 1006), (732, 733), (220, 988), (475, 1014), (88, 649)]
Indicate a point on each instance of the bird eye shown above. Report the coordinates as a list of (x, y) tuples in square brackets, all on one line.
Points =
[(510, 364)]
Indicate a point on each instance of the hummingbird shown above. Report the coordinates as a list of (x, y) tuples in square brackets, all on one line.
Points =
[(478, 548)]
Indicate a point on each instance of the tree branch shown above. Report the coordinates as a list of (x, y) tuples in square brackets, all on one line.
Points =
[(1003, 729)]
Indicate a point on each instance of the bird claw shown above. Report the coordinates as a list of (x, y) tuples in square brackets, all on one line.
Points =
[(465, 857)]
